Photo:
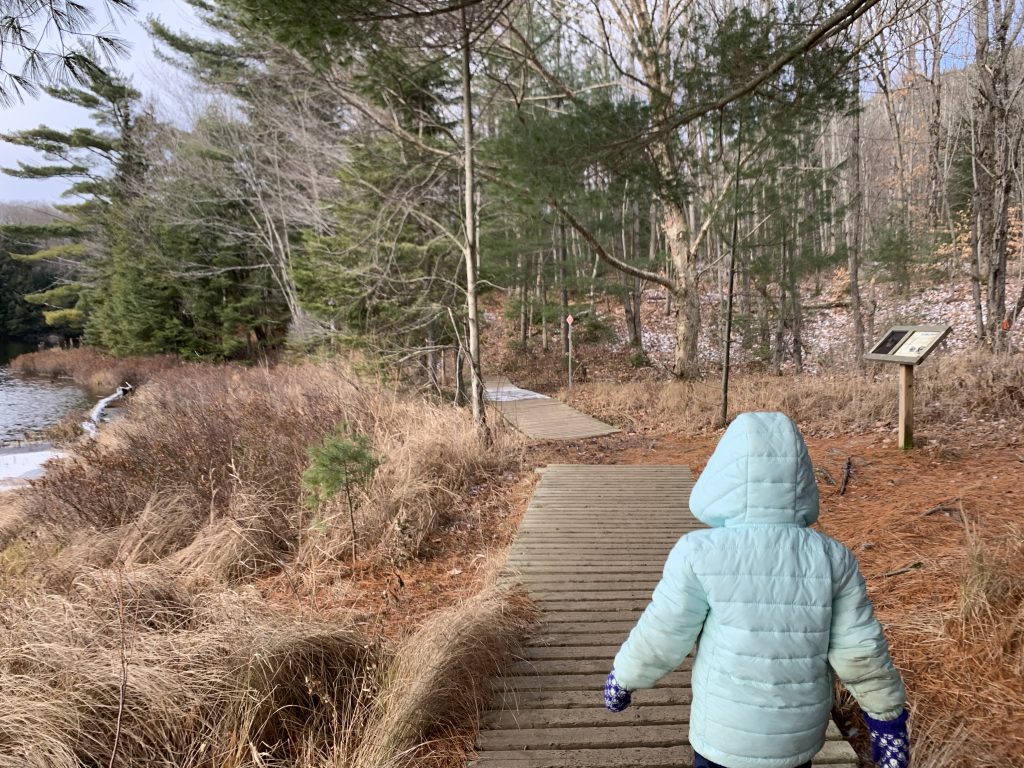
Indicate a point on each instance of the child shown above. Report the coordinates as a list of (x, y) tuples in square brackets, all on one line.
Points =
[(776, 606)]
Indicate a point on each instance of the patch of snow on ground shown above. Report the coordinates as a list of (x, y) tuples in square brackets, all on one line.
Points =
[(509, 394), (19, 465)]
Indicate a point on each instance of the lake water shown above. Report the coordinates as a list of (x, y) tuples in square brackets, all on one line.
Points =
[(30, 405)]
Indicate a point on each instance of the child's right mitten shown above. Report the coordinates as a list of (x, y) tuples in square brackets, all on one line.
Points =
[(616, 698), (890, 745)]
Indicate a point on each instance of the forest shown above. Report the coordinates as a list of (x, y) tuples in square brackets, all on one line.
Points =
[(314, 248), (545, 151)]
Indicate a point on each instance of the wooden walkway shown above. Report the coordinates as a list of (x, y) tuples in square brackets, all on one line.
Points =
[(539, 416), (589, 552)]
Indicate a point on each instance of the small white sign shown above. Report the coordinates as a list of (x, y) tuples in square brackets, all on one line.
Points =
[(570, 320)]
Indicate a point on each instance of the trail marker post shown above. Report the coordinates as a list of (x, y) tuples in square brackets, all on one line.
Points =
[(907, 345), (569, 320)]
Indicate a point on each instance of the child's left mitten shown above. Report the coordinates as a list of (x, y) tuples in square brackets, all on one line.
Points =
[(890, 744), (616, 698)]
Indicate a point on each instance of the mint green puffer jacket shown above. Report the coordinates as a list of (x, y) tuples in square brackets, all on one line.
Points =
[(774, 605)]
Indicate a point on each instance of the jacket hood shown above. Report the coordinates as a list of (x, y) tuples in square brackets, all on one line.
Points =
[(760, 473)]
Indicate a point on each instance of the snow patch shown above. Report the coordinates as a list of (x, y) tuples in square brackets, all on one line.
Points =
[(19, 465)]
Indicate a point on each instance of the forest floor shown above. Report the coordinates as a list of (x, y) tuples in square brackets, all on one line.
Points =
[(938, 530)]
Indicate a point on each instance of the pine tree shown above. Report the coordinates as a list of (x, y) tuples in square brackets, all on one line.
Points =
[(86, 157)]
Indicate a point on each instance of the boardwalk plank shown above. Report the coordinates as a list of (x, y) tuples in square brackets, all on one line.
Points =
[(541, 417), (599, 664), (595, 717)]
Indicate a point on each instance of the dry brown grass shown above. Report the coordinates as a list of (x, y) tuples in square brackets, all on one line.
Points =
[(216, 679), (963, 657), (948, 390), (437, 680), (142, 571), (91, 369), (204, 474), (240, 687)]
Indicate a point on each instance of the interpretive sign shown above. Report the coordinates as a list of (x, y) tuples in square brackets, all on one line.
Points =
[(908, 344)]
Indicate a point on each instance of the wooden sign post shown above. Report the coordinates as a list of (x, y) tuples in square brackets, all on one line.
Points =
[(907, 345), (906, 434), (569, 321)]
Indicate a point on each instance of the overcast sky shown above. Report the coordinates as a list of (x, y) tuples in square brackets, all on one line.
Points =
[(151, 76)]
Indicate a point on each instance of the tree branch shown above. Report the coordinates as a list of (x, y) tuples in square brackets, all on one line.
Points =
[(622, 266), (837, 22)]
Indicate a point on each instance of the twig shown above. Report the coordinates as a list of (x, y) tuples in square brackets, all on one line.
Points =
[(905, 569), (825, 475), (847, 473), (952, 508)]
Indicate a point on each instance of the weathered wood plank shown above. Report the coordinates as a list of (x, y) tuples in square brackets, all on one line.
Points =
[(523, 700), (577, 682), (637, 757), (832, 754), (578, 652), (544, 597), (595, 717), (575, 666), (596, 604), (615, 736)]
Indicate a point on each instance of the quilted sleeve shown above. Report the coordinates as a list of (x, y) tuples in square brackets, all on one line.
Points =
[(668, 627), (857, 649)]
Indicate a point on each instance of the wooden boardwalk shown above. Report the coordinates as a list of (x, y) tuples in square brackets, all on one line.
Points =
[(539, 416), (589, 552)]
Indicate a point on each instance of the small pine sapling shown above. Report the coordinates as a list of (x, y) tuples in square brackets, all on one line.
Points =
[(343, 462)]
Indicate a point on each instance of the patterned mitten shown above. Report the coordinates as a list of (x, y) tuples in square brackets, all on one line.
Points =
[(890, 745), (616, 698)]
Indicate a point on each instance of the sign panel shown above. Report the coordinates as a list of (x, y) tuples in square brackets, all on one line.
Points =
[(908, 344)]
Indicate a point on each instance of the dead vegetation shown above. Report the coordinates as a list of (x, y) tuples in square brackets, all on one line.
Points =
[(971, 388), (93, 370), (205, 475), (192, 679), (949, 591), (142, 618)]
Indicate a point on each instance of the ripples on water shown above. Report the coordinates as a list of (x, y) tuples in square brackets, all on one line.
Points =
[(28, 405)]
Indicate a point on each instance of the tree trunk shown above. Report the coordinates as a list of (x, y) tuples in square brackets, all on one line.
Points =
[(978, 235), (432, 376), (460, 376), (542, 295), (779, 337), (563, 260), (854, 235), (934, 17), (797, 320), (523, 289), (684, 263), (472, 319)]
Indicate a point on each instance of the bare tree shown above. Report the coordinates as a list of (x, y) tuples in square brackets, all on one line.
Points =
[(998, 129)]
